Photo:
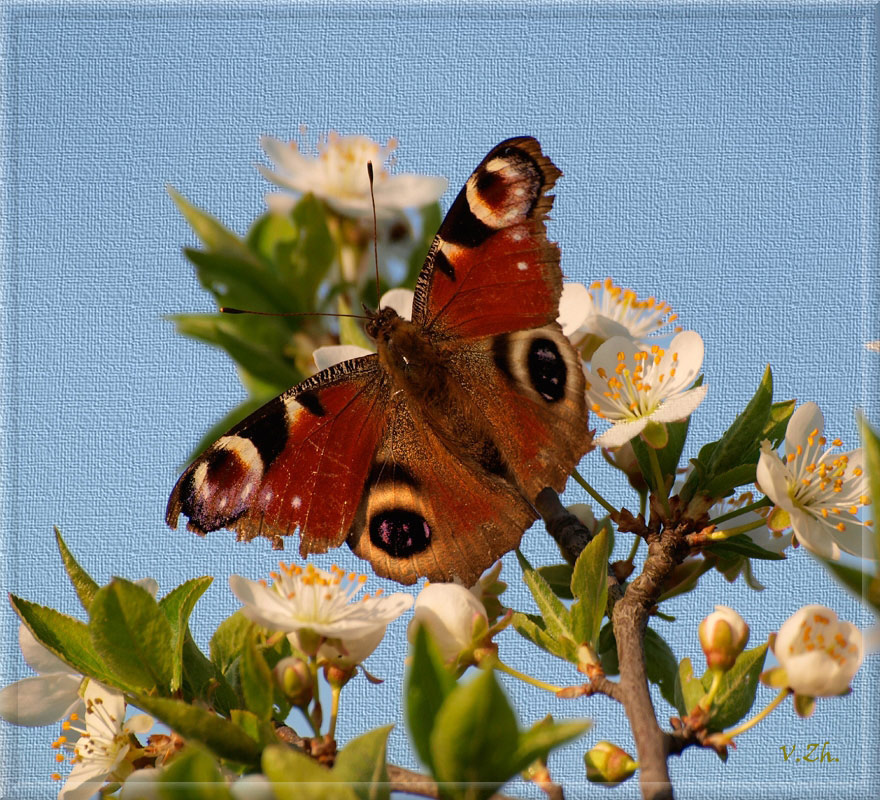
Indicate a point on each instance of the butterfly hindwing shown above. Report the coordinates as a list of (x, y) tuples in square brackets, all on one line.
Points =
[(298, 462)]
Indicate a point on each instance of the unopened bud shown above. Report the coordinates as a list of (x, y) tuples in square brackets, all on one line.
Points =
[(295, 679), (607, 763), (723, 636)]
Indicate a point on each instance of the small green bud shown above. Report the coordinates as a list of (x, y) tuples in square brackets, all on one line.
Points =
[(295, 679), (607, 763)]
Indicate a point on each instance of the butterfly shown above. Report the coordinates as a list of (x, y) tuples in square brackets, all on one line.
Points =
[(427, 456)]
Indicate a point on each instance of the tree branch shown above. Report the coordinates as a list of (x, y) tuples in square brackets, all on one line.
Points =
[(630, 619)]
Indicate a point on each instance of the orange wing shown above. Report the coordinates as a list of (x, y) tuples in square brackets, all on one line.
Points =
[(300, 461)]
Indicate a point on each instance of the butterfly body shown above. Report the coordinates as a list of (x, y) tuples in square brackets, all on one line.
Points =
[(427, 456)]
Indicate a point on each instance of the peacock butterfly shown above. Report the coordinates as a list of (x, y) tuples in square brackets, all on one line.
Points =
[(428, 455)]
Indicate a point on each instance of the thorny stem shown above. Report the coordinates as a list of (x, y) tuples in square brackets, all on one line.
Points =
[(758, 717), (593, 493)]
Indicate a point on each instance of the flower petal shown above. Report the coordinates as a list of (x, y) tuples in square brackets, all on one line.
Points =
[(803, 422), (326, 357), (262, 604), (773, 477), (42, 700), (401, 300), (409, 191), (620, 433), (37, 657), (679, 407), (813, 535), (575, 305), (84, 781), (150, 584), (139, 723), (689, 348)]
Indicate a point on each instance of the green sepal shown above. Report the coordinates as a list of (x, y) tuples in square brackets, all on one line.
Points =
[(83, 584), (132, 636), (742, 545), (544, 736), (804, 705)]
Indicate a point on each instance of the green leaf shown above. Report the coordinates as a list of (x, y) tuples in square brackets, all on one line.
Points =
[(544, 736), (607, 650), (660, 664), (213, 234), (864, 585), (556, 617), (229, 640), (742, 545), (241, 284), (558, 576), (361, 765), (739, 445), (222, 737), (688, 688), (589, 584), (192, 775), (736, 695), (316, 248), (474, 738), (531, 627), (261, 731), (256, 681), (722, 485), (177, 606), (428, 684), (202, 680), (82, 582), (65, 637), (269, 233), (780, 413), (132, 635), (295, 776), (871, 448)]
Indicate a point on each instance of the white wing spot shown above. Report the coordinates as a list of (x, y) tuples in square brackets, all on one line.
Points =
[(519, 191), (296, 502), (522, 266), (517, 236), (247, 490), (267, 495), (222, 503)]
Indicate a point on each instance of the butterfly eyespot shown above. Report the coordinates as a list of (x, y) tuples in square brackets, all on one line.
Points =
[(547, 370), (400, 532)]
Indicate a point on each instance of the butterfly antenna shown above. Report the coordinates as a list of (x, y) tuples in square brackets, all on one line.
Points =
[(230, 310), (375, 229)]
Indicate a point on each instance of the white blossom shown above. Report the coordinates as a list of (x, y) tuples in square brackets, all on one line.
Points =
[(338, 175), (819, 490), (630, 387), (455, 618), (723, 636), (103, 743), (314, 602), (819, 652), (604, 310)]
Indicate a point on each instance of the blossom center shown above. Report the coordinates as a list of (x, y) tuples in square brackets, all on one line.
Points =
[(819, 633)]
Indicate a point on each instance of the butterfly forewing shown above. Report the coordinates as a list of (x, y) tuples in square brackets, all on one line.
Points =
[(299, 462)]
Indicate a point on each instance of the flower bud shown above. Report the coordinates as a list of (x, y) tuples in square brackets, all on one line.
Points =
[(456, 620), (723, 636), (488, 589), (607, 763), (819, 652), (295, 679)]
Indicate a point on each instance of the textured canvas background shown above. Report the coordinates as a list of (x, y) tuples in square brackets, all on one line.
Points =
[(723, 158)]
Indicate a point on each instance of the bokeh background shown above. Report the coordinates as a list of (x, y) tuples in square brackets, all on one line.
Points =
[(721, 157)]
